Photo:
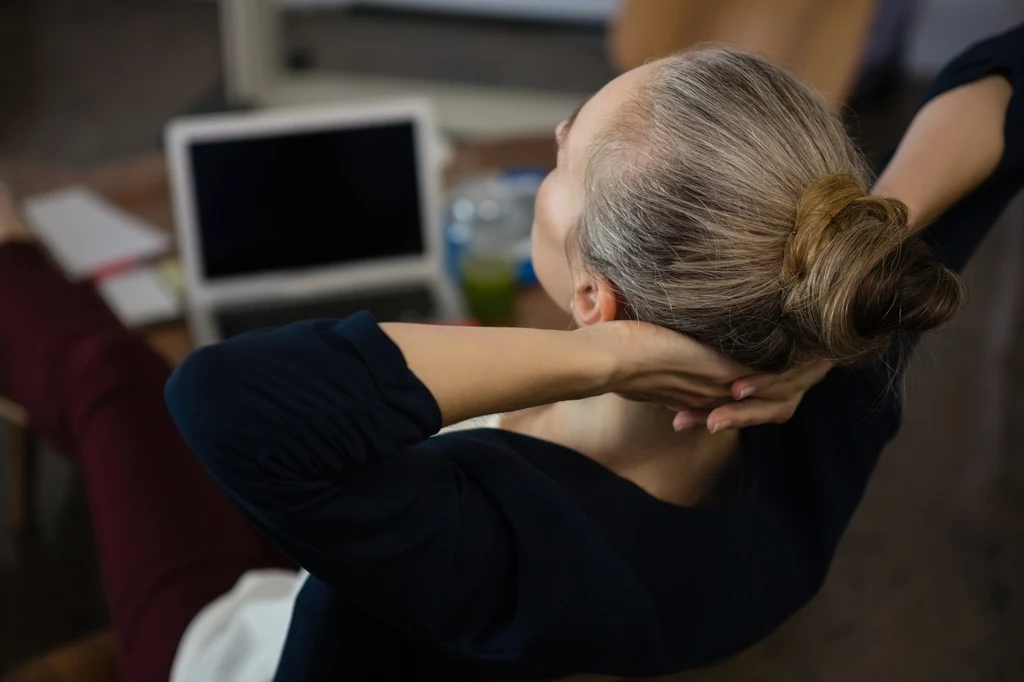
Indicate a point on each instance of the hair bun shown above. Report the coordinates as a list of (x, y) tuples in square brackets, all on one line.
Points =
[(854, 278), (819, 206)]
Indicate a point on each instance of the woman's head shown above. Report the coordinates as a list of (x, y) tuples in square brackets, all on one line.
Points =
[(714, 194)]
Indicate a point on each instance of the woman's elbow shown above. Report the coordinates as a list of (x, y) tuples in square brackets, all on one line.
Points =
[(204, 397), (213, 399)]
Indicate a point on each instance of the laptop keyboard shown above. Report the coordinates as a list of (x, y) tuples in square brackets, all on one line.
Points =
[(399, 305)]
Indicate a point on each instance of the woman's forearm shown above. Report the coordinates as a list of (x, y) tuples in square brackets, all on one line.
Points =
[(953, 144), (474, 371)]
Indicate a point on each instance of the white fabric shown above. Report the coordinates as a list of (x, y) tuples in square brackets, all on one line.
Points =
[(239, 636)]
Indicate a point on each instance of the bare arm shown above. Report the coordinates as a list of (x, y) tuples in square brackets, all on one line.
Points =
[(477, 371), (953, 144)]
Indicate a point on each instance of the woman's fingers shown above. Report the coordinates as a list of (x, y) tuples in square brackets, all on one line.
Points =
[(736, 415), (756, 399), (779, 390), (781, 386), (711, 391), (751, 412), (688, 419), (678, 400)]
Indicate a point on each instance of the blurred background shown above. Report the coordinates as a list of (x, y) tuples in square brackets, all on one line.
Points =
[(929, 580)]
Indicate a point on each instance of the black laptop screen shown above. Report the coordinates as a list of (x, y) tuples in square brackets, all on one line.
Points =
[(302, 200)]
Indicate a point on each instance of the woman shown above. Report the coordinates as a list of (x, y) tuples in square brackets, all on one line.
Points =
[(603, 533), (709, 194)]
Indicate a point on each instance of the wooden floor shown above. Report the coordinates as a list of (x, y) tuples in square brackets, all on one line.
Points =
[(929, 580)]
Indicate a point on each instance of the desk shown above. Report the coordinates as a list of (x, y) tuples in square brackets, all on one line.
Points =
[(140, 186)]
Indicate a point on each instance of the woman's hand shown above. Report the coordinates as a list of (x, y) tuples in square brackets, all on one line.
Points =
[(758, 399), (657, 365), (661, 366), (768, 398)]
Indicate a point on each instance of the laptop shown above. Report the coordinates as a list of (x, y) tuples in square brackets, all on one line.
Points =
[(285, 215)]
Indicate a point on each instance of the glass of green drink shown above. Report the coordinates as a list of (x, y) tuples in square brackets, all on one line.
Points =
[(489, 285), (489, 231)]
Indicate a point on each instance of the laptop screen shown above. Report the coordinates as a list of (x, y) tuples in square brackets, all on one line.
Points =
[(307, 199)]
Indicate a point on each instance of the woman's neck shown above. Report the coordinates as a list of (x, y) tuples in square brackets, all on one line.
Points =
[(636, 440)]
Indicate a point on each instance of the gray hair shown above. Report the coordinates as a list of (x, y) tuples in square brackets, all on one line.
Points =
[(728, 202)]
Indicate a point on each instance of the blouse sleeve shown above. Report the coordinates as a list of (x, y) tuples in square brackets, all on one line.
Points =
[(319, 432)]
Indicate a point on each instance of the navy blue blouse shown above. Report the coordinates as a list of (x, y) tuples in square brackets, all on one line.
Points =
[(486, 554)]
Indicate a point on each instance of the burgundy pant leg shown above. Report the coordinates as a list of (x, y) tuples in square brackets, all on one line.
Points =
[(169, 540)]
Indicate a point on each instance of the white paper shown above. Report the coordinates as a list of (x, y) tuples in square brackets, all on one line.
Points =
[(86, 233), (140, 297)]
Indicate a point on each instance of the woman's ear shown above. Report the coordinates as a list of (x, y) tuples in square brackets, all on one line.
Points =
[(594, 300)]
